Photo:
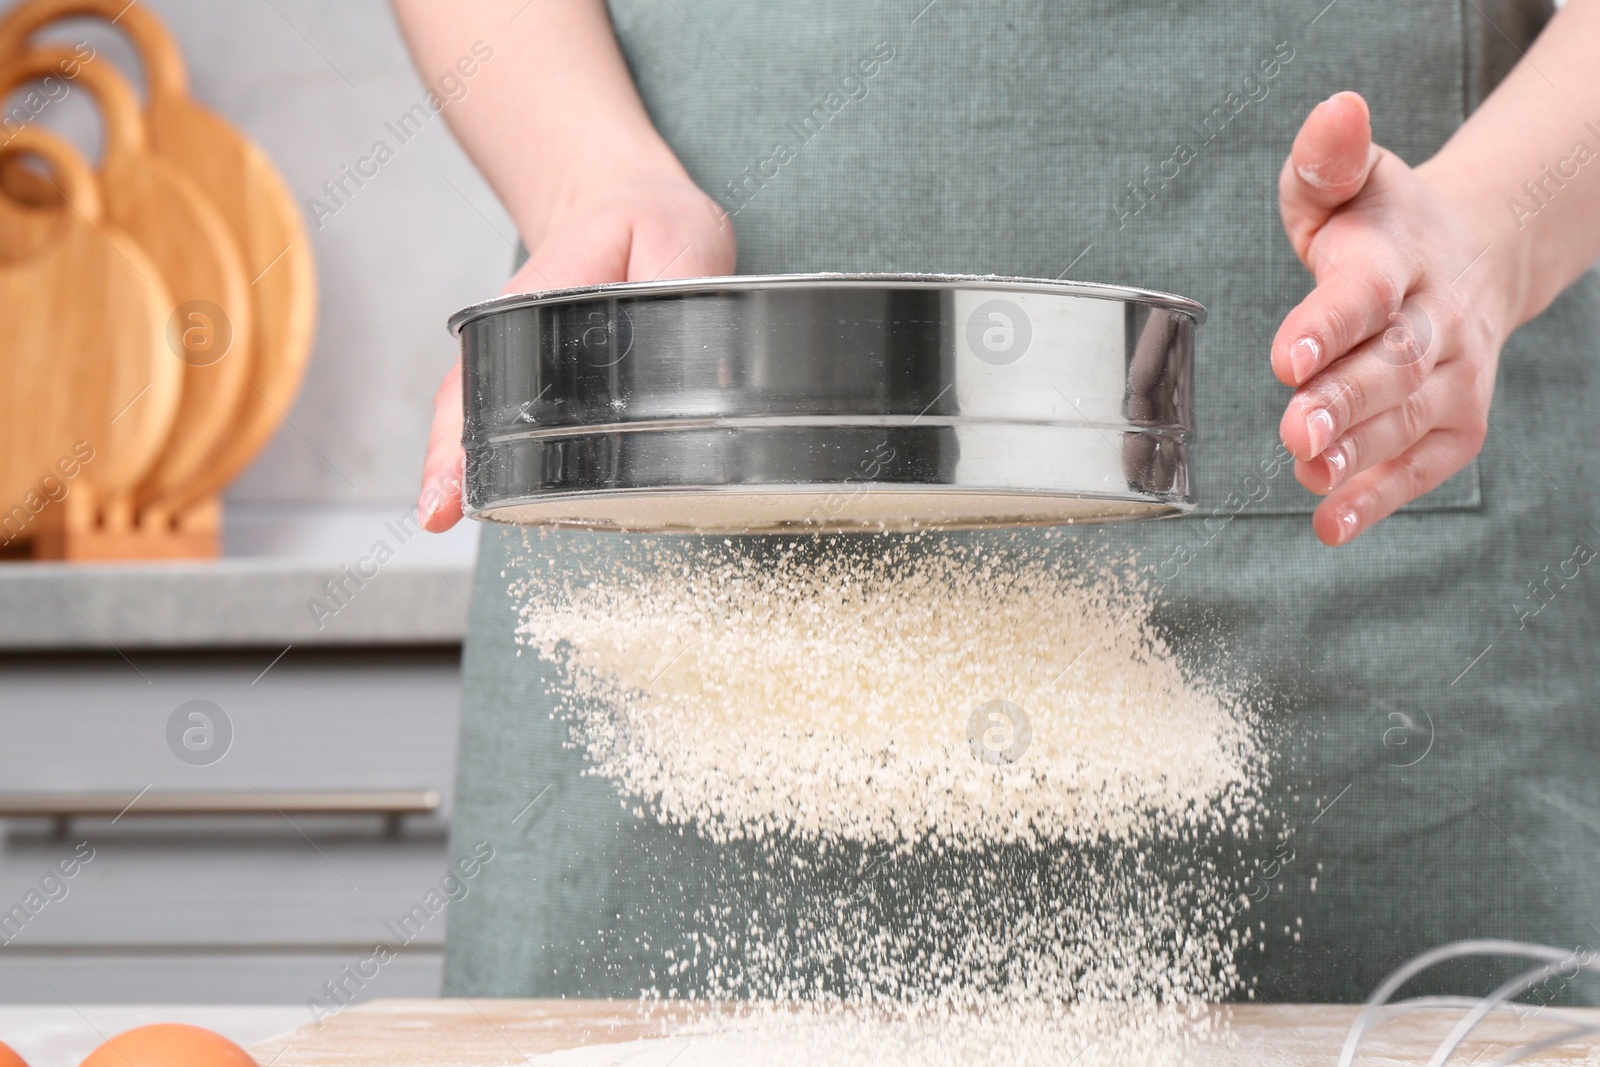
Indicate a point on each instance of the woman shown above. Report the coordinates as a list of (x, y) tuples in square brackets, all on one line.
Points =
[(1434, 765)]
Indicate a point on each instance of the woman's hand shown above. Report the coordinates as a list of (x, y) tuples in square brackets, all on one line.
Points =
[(658, 226), (557, 127), (1393, 354)]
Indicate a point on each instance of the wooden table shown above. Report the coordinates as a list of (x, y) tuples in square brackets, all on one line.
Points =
[(500, 1033)]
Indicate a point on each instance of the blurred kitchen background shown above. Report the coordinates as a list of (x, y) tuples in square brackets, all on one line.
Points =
[(106, 665)]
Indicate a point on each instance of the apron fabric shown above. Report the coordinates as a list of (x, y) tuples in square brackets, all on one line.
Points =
[(1428, 688)]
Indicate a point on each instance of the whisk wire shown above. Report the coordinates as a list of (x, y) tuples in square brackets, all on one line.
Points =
[(1517, 1055), (1503, 995), (1441, 954)]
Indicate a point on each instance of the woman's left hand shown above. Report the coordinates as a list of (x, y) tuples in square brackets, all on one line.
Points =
[(1393, 355)]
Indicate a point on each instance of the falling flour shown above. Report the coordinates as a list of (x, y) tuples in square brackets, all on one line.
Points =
[(994, 813)]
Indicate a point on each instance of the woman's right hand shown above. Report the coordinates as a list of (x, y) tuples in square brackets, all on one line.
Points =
[(641, 229)]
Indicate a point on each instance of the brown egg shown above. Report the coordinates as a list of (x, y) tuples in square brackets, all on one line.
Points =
[(9, 1057), (168, 1045)]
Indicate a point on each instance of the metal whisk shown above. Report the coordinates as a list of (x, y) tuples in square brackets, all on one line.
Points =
[(1555, 961)]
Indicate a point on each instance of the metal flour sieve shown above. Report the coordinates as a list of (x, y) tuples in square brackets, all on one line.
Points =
[(828, 402)]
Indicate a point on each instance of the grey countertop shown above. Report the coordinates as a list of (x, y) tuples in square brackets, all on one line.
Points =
[(227, 604), (305, 577)]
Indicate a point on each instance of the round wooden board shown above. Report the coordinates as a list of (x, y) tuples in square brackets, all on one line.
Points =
[(82, 356), (175, 225), (240, 182)]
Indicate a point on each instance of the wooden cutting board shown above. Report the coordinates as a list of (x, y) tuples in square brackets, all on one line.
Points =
[(27, 222), (261, 216), (26, 227), (82, 356), (500, 1033), (208, 322)]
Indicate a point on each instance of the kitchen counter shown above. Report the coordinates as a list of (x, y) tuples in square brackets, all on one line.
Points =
[(331, 576), (228, 603), (502, 1033)]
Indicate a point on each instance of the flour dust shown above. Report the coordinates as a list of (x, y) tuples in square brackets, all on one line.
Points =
[(986, 808)]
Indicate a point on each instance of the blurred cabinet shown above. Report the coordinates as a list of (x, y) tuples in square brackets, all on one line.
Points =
[(262, 908)]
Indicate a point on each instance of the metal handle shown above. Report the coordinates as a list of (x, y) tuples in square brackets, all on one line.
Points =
[(63, 807)]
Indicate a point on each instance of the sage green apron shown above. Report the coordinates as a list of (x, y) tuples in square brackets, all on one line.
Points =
[(1430, 686)]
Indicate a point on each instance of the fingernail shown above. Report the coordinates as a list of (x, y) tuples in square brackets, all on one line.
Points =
[(1304, 355), (1348, 521), (1335, 459), (1355, 98), (1319, 427), (427, 503), (1311, 174)]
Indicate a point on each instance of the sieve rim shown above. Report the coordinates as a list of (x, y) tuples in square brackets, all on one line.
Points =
[(756, 282), (1049, 508), (758, 387)]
